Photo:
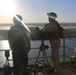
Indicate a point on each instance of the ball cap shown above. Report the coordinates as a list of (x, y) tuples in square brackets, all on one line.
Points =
[(52, 15)]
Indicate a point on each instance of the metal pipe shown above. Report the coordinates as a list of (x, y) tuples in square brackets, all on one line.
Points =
[(63, 49)]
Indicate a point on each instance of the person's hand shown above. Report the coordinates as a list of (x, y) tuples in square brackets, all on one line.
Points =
[(42, 30)]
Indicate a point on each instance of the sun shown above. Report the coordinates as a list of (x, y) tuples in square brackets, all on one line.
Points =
[(7, 7)]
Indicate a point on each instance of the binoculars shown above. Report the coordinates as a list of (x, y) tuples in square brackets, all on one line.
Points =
[(37, 34)]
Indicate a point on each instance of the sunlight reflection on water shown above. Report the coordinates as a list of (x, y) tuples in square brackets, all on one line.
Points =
[(4, 45), (34, 52)]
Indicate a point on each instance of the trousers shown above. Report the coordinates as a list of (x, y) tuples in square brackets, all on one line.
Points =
[(55, 44), (20, 64)]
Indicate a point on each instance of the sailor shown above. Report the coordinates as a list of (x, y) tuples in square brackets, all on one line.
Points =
[(54, 37), (19, 41)]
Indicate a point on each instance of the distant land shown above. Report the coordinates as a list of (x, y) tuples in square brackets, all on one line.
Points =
[(69, 29), (8, 24)]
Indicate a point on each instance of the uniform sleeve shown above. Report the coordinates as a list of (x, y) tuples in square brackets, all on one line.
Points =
[(27, 41), (10, 37), (48, 28), (26, 36)]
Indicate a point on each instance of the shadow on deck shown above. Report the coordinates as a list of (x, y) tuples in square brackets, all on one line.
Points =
[(64, 70)]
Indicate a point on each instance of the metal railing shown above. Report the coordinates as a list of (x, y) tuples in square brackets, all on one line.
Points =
[(63, 55)]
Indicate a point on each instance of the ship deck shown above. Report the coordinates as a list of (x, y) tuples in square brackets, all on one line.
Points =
[(64, 70)]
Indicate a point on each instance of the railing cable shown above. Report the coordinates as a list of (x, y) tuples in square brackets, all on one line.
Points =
[(71, 39)]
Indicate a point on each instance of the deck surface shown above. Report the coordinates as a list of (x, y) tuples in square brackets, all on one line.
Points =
[(63, 71), (66, 71)]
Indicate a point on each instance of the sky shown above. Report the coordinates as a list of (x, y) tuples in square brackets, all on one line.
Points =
[(35, 11)]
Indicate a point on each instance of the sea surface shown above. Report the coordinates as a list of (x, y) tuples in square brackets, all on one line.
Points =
[(70, 44)]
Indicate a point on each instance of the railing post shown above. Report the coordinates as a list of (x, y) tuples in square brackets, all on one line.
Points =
[(63, 49)]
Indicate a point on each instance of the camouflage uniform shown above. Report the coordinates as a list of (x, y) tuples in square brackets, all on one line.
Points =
[(54, 42)]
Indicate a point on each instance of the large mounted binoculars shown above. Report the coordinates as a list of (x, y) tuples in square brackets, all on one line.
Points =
[(36, 34)]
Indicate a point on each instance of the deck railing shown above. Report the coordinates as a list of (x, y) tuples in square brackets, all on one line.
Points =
[(63, 55)]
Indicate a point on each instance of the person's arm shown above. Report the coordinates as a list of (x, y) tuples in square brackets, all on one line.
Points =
[(27, 37), (28, 45), (48, 28), (10, 38)]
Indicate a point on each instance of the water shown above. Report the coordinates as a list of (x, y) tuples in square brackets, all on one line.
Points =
[(35, 44), (34, 52)]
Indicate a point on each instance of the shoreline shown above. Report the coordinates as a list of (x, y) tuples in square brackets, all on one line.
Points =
[(69, 33)]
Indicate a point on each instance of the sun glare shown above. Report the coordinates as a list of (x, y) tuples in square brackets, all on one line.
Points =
[(7, 7)]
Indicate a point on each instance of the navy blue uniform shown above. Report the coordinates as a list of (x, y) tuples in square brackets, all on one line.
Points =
[(19, 41)]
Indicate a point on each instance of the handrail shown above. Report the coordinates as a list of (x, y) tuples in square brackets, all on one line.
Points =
[(63, 55), (70, 39), (68, 48)]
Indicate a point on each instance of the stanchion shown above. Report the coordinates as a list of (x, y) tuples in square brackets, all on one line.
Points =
[(7, 70)]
